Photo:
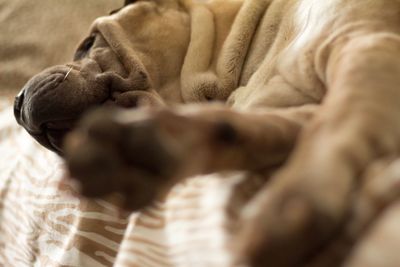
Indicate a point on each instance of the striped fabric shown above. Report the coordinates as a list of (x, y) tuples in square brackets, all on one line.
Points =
[(42, 223)]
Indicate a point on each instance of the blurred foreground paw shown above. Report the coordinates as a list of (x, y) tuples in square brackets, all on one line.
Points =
[(110, 153)]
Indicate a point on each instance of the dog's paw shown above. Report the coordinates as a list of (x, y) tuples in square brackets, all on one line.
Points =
[(292, 218), (111, 152), (280, 229), (143, 153)]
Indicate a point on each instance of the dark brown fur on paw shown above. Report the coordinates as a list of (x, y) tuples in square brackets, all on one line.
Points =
[(107, 156)]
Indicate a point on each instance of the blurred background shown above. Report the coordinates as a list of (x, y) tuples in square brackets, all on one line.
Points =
[(40, 33)]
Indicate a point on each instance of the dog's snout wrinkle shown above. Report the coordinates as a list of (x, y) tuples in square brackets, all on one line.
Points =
[(49, 83)]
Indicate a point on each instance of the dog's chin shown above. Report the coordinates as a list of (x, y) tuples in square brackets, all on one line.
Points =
[(52, 134)]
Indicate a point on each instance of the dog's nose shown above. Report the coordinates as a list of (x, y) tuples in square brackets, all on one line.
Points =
[(18, 103)]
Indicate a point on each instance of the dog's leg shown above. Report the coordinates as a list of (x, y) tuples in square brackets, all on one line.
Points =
[(143, 153), (359, 122)]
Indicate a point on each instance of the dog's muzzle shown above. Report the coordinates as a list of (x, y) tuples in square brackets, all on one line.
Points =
[(51, 103)]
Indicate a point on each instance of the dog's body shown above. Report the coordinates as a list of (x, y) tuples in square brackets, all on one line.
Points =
[(328, 70)]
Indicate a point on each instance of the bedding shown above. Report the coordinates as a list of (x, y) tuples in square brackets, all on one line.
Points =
[(44, 223)]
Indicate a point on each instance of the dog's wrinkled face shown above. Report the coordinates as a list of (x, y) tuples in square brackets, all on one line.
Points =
[(131, 58)]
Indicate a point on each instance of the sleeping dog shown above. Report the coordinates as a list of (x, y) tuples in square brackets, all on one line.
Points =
[(308, 87)]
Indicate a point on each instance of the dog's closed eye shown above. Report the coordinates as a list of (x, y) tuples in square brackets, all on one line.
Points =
[(85, 47), (127, 2), (115, 11)]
